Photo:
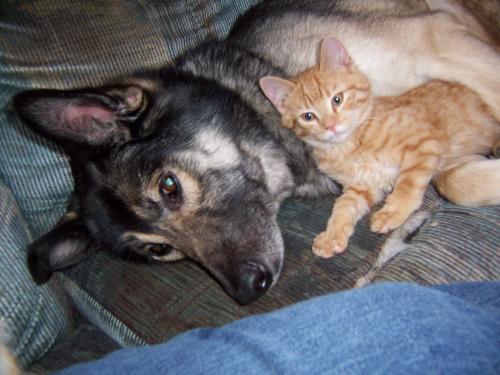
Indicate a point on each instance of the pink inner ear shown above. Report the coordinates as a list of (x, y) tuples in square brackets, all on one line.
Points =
[(132, 100), (81, 115), (134, 97)]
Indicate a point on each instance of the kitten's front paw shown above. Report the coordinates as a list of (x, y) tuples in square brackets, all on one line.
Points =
[(386, 220), (326, 245)]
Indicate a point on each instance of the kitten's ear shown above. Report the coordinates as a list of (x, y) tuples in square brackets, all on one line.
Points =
[(276, 90), (334, 56), (65, 245), (88, 118)]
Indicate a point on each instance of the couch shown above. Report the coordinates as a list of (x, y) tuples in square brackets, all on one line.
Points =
[(106, 303)]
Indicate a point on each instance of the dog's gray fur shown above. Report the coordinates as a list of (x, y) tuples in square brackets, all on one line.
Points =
[(205, 120)]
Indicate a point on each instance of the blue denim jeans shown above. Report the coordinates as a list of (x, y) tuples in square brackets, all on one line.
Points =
[(382, 329)]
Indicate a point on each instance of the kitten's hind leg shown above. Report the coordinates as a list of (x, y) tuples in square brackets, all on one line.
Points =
[(475, 183)]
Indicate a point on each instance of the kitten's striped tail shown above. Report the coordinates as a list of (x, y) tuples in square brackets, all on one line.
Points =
[(476, 183), (496, 149)]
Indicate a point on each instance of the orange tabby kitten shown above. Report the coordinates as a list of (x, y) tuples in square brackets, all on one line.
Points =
[(439, 131)]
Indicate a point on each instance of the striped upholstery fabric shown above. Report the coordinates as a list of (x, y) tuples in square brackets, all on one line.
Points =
[(455, 244), (67, 44), (34, 318)]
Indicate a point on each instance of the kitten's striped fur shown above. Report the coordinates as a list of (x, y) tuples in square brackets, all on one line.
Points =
[(439, 131)]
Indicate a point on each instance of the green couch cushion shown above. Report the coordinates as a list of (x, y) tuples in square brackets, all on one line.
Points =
[(33, 317)]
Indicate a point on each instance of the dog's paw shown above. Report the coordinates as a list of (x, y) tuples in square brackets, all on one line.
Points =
[(386, 220), (327, 245)]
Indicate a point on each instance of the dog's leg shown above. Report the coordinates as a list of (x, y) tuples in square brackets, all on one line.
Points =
[(462, 15), (435, 45), (451, 52)]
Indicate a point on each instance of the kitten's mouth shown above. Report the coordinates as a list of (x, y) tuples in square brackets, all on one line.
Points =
[(339, 135)]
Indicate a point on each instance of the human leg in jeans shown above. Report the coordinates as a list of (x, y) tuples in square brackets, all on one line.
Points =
[(381, 329)]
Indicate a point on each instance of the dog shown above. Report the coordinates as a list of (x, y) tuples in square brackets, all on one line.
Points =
[(190, 161)]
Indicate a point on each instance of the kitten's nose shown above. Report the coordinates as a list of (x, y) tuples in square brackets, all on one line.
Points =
[(332, 127)]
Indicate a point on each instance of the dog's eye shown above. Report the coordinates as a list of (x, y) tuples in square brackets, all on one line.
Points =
[(169, 185), (337, 99), (158, 250), (170, 188)]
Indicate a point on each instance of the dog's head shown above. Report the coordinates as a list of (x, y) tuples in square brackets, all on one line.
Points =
[(165, 170)]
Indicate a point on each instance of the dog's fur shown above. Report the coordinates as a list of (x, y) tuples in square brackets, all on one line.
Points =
[(204, 121)]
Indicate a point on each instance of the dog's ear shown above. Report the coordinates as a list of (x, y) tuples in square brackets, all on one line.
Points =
[(276, 90), (92, 117), (65, 245), (334, 56)]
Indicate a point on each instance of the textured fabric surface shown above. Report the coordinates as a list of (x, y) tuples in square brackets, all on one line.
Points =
[(87, 342), (455, 244), (33, 317)]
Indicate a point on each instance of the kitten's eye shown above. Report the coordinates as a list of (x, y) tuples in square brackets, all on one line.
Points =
[(337, 99), (308, 116), (170, 189)]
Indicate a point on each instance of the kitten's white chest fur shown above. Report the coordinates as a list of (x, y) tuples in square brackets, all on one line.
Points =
[(379, 173)]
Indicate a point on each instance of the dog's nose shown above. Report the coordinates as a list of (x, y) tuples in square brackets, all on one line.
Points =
[(260, 279), (254, 280)]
